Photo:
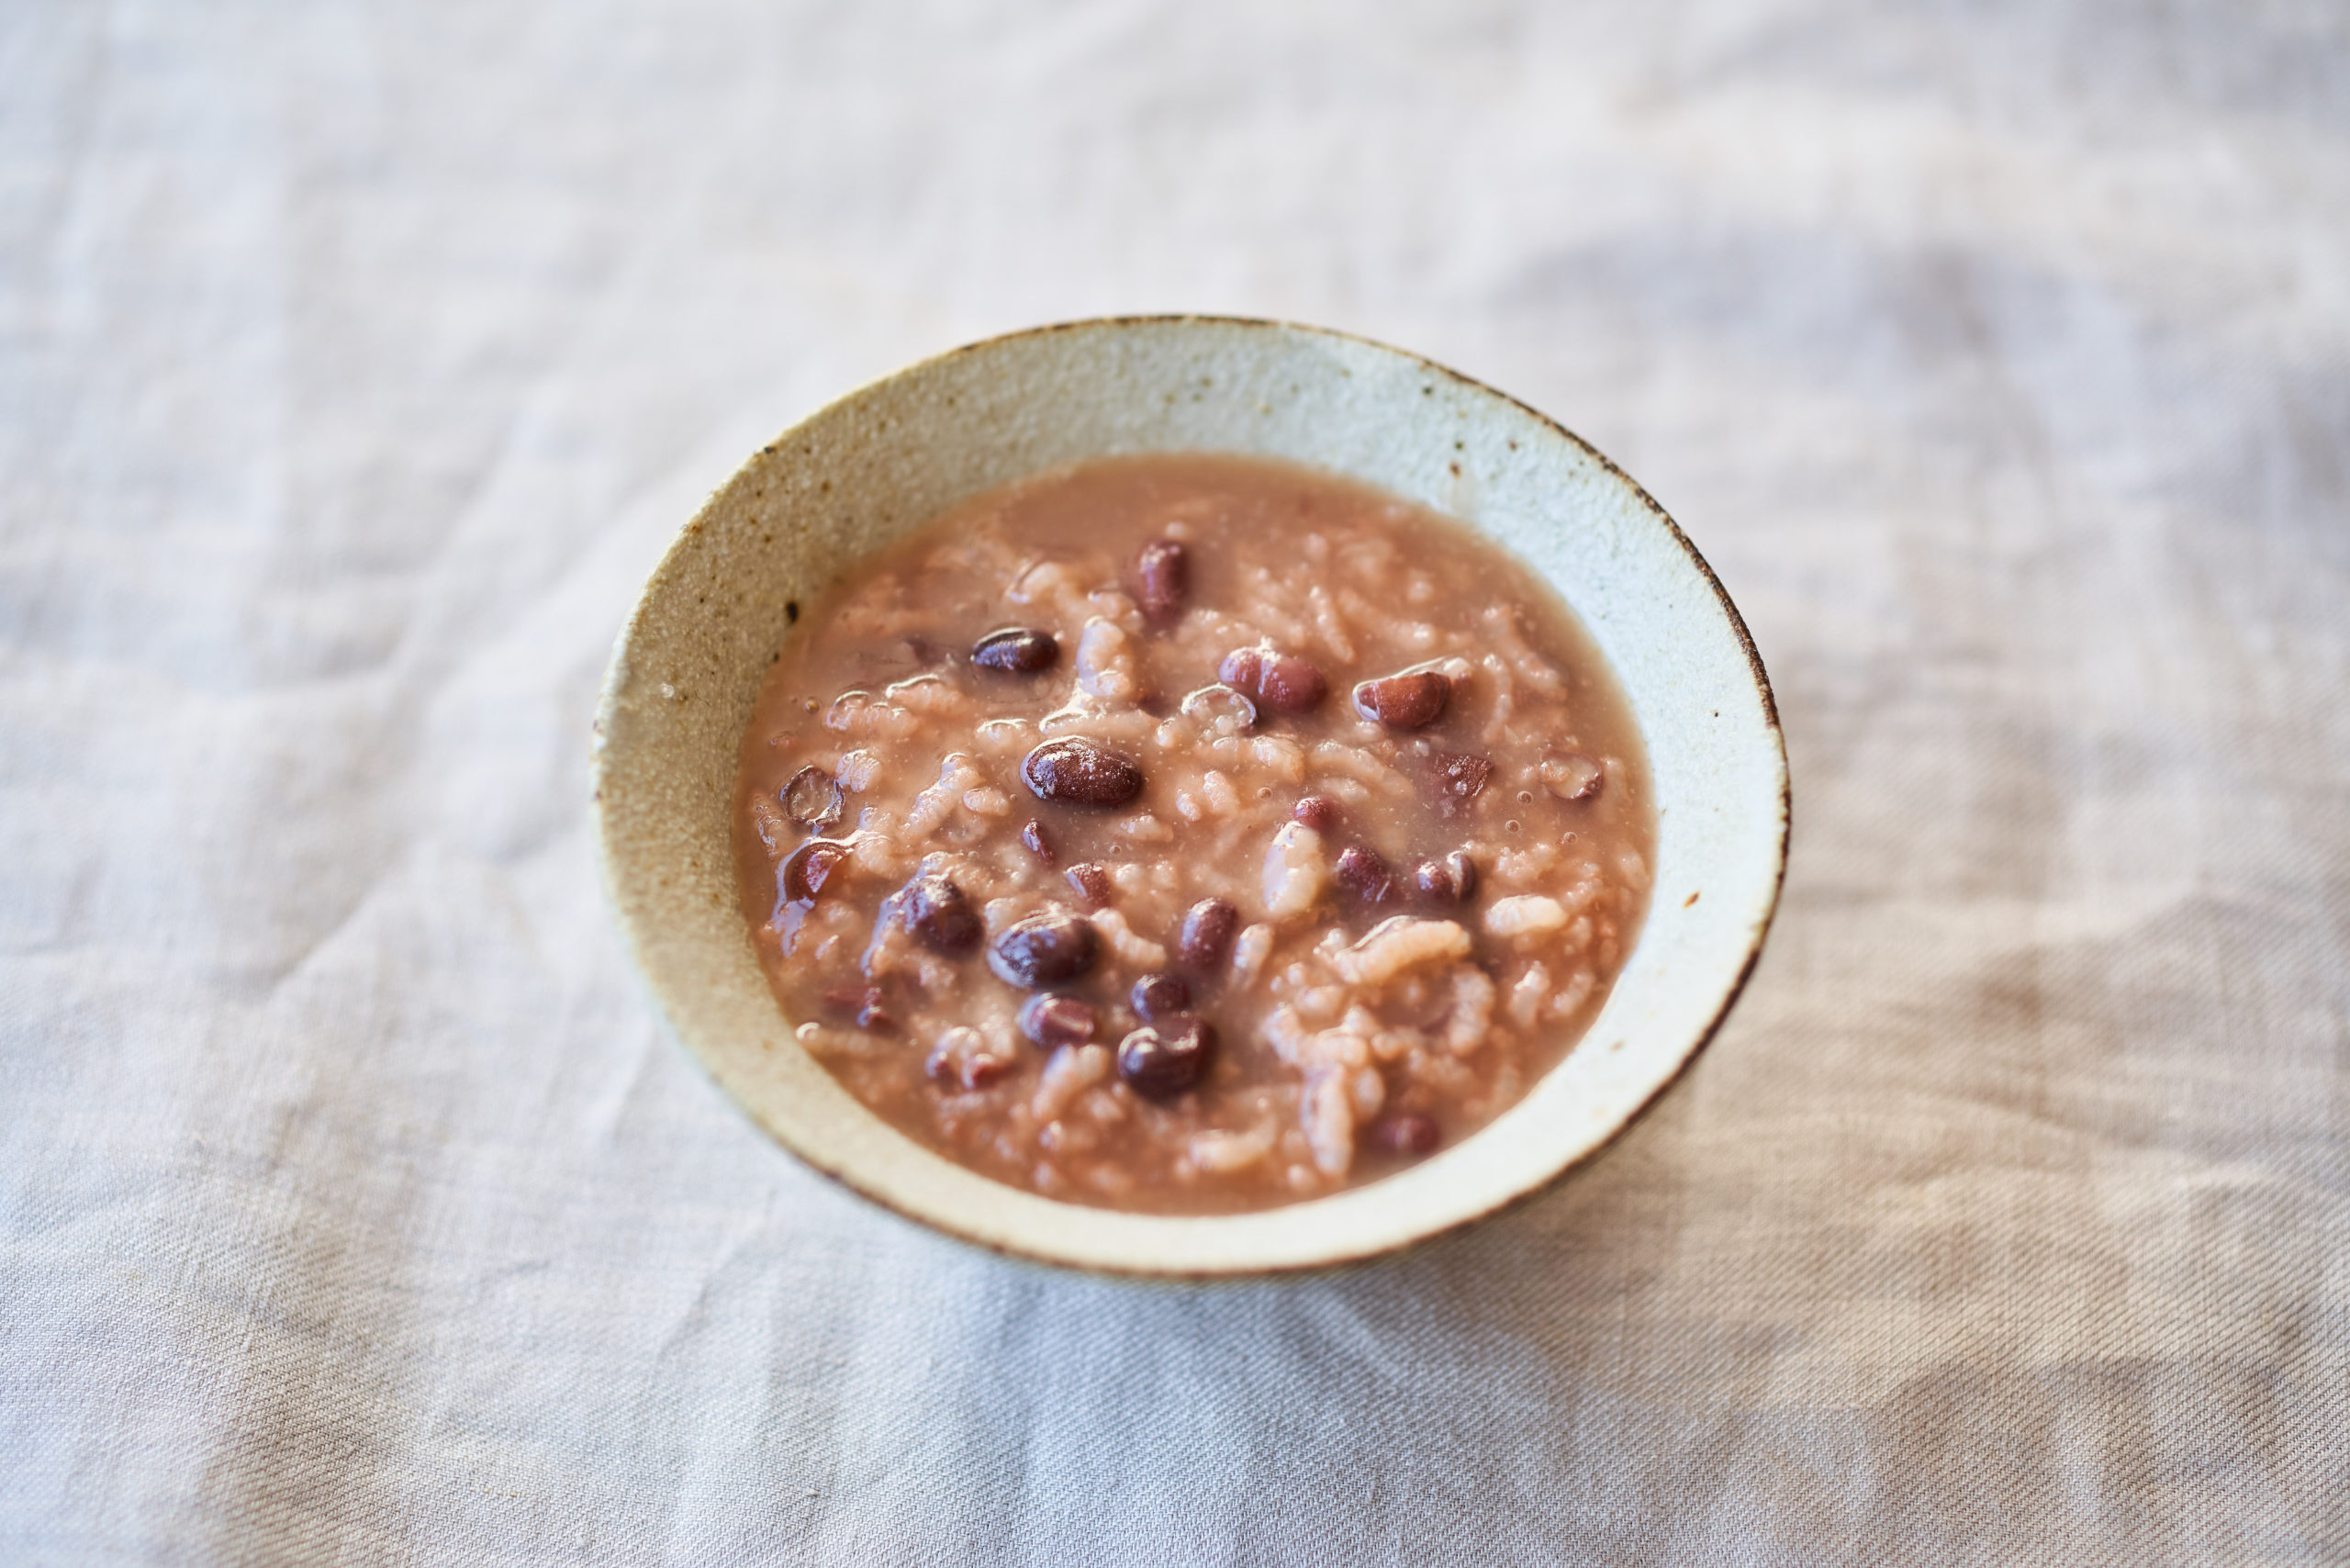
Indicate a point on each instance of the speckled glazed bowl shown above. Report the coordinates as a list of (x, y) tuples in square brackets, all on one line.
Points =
[(887, 458)]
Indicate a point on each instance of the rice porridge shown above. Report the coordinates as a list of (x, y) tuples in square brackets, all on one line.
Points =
[(1190, 833)]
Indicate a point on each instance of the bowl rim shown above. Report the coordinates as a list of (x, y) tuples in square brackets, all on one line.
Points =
[(609, 861)]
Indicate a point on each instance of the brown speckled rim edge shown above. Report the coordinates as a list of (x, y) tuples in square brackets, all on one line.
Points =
[(608, 699)]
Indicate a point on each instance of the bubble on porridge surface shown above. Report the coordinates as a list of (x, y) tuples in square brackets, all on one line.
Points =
[(1459, 778)]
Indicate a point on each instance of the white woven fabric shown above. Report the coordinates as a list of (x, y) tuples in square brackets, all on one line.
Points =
[(355, 363)]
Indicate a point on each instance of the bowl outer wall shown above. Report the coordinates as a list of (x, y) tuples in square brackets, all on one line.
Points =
[(894, 455)]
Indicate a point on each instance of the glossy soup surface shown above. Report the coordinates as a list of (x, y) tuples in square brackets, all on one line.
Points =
[(1190, 833)]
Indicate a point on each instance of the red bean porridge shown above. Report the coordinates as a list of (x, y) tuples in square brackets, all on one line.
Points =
[(1190, 833)]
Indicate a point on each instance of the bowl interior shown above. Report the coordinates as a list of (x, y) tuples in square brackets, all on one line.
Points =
[(890, 456)]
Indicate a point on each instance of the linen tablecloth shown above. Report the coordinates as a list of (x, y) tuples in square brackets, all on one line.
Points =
[(356, 362)]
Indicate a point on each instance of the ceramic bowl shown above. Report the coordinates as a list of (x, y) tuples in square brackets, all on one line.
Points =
[(887, 458)]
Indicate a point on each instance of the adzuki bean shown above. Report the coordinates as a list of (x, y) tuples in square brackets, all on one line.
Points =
[(1211, 704), (1449, 880), (1285, 683), (1044, 949), (812, 799), (1460, 779), (1159, 1060), (1319, 812), (1362, 873), (1160, 994), (1055, 1021), (1092, 883), (1077, 772), (806, 868), (1016, 650), (1406, 1133), (1163, 573), (1405, 701), (938, 911), (1209, 926)]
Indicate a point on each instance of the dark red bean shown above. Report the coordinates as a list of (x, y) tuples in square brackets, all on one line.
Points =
[(1449, 880), (1573, 776), (1079, 772), (1164, 573), (1319, 812), (1165, 1059), (1363, 874), (1208, 929), (1290, 685), (1016, 650), (938, 911), (1160, 995), (1243, 670), (812, 799), (1055, 1021), (1406, 1133), (1044, 949), (1283, 682), (1033, 839), (1405, 701), (862, 1003), (1459, 778), (806, 868), (1092, 883)]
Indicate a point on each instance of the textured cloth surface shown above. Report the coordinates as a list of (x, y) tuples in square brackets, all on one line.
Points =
[(356, 363)]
